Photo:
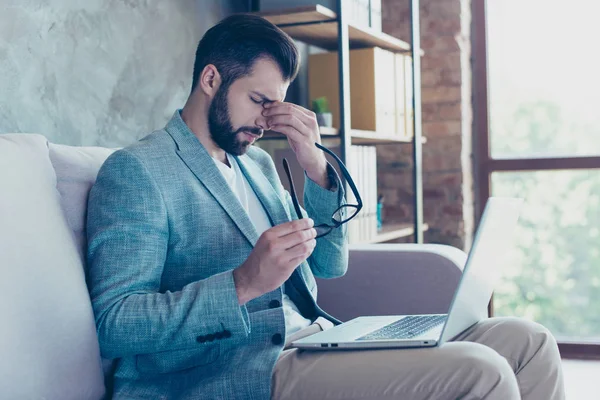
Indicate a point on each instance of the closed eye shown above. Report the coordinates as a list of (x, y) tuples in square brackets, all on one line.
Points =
[(256, 101)]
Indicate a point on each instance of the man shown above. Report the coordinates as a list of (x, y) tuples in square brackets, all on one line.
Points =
[(200, 271)]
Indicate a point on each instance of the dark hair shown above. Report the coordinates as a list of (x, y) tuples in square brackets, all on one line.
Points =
[(235, 43)]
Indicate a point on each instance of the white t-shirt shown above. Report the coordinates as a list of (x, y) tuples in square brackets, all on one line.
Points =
[(294, 321)]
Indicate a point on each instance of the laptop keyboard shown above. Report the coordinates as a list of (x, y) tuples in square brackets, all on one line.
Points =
[(406, 328)]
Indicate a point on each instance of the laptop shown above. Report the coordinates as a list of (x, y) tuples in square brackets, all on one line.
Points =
[(482, 271)]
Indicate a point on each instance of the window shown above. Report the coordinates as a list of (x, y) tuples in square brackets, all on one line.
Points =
[(536, 94)]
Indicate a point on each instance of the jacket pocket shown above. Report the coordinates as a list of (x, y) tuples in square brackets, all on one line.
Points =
[(177, 360)]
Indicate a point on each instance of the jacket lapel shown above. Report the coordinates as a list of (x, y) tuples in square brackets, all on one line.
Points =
[(279, 214), (264, 190), (195, 156)]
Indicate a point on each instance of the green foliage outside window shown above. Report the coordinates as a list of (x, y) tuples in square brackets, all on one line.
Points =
[(553, 277)]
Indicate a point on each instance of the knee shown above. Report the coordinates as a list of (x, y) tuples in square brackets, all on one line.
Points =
[(530, 340), (520, 326), (486, 360), (539, 331), (529, 333), (490, 373)]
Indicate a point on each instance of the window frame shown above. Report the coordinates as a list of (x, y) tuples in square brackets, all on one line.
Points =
[(485, 165)]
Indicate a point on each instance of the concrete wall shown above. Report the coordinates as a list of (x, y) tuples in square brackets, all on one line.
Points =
[(99, 72)]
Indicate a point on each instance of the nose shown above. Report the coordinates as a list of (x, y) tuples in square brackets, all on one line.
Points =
[(261, 122)]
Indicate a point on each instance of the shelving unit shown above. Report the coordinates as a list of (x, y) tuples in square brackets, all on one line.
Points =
[(319, 26), (358, 136)]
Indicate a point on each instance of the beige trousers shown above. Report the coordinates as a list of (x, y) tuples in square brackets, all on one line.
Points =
[(497, 359)]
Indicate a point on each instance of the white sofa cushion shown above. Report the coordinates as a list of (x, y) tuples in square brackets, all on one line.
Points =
[(48, 343), (76, 169)]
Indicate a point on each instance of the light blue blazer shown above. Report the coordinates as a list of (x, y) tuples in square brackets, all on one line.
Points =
[(164, 234)]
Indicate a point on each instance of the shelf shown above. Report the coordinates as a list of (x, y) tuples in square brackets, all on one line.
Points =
[(299, 15), (358, 136), (317, 25), (371, 137), (328, 131), (395, 231)]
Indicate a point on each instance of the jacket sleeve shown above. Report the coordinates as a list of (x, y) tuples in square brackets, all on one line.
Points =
[(330, 257), (128, 236)]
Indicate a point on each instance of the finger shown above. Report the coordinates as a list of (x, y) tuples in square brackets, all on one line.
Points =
[(291, 120), (289, 131), (306, 117), (283, 105), (295, 238), (289, 108), (309, 121), (295, 262), (292, 226), (301, 251)]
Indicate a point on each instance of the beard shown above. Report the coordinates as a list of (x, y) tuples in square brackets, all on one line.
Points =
[(221, 129)]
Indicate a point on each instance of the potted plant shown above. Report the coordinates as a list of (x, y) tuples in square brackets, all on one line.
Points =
[(324, 116)]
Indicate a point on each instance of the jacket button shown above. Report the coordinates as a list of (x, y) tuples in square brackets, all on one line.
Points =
[(274, 304), (226, 333), (277, 339), (210, 337), (201, 339)]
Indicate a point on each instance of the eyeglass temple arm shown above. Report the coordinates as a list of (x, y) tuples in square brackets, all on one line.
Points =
[(286, 167), (344, 172)]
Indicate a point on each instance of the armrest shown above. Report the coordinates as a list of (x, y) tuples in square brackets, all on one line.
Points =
[(394, 279)]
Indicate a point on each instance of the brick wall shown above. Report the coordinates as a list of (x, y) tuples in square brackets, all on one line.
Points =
[(447, 116)]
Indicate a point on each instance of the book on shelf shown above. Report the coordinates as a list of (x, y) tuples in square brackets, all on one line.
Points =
[(401, 81), (408, 99), (373, 192), (370, 191)]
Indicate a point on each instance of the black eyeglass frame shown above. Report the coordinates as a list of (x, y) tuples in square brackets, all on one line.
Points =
[(324, 229)]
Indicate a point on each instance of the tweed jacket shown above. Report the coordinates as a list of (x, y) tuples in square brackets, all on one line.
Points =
[(165, 232)]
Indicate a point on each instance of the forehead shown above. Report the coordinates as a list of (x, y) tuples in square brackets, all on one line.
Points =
[(266, 79)]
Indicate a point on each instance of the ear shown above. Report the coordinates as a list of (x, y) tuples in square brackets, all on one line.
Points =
[(210, 80)]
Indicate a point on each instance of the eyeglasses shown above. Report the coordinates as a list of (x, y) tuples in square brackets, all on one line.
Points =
[(344, 213)]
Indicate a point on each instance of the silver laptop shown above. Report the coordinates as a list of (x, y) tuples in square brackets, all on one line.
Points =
[(469, 305)]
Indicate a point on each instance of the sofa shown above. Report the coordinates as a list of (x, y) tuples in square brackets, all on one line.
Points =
[(48, 344)]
